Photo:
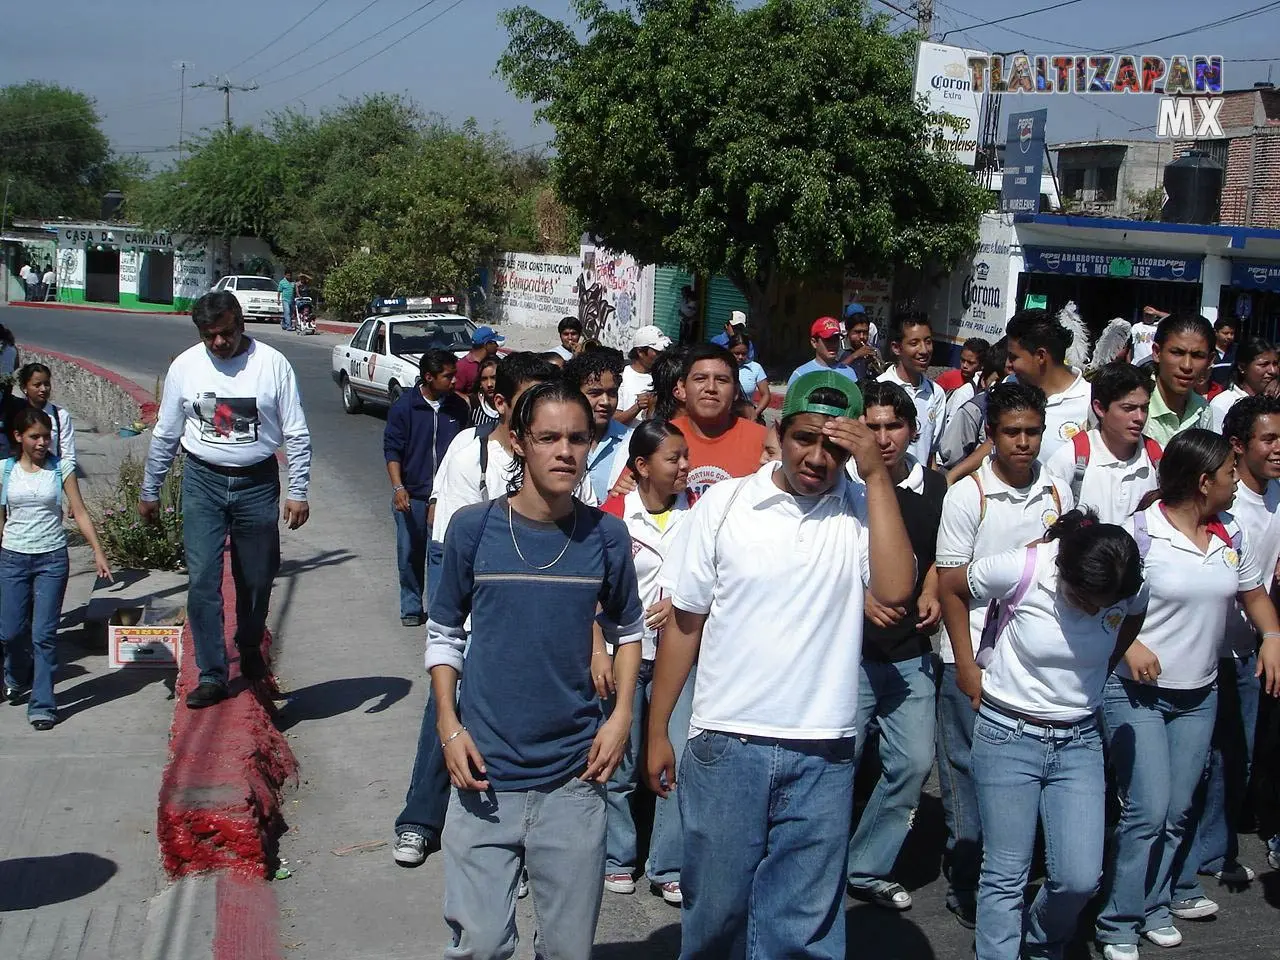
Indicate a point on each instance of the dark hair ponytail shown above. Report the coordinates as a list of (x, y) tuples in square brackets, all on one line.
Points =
[(647, 438), (1188, 457), (1096, 559)]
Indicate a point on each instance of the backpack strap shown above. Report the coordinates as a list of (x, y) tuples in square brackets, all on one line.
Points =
[(1141, 535), (482, 434), (4, 485), (1080, 442), (1154, 451), (1000, 612), (52, 409)]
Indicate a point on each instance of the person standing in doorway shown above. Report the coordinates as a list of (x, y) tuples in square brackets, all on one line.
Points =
[(420, 427), (230, 402), (288, 293), (766, 781)]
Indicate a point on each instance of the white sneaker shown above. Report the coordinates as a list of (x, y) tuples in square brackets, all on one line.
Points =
[(1234, 873), (1164, 936), (619, 883), (1194, 908), (1120, 951), (410, 849)]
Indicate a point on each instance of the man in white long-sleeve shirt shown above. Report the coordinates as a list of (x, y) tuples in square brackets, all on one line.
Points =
[(231, 402)]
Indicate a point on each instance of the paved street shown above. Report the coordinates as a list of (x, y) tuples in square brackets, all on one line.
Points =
[(357, 687)]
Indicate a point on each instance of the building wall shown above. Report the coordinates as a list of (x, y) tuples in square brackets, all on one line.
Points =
[(1141, 166)]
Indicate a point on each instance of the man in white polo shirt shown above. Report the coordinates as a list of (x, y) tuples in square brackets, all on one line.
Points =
[(911, 343), (1110, 468), (1007, 503), (767, 777)]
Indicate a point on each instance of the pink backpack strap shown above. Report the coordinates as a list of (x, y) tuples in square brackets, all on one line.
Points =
[(1000, 612)]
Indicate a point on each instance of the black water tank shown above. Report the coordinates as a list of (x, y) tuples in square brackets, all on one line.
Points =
[(1193, 189), (111, 202)]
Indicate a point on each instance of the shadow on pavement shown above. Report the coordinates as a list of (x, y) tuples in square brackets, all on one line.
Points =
[(333, 698), (661, 943), (30, 882), (877, 932), (105, 687)]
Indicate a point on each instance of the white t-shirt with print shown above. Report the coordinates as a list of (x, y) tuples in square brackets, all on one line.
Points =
[(1051, 659), (1144, 336), (33, 518), (1192, 593), (1111, 487), (1259, 517), (1013, 518), (632, 385)]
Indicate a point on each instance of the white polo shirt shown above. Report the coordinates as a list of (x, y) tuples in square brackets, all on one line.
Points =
[(1013, 518), (1111, 487), (650, 543), (1192, 593), (1259, 516), (1065, 415), (931, 412), (1051, 659), (1144, 336), (782, 642), (1222, 403)]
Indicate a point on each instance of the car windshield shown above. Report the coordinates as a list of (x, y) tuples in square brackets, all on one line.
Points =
[(255, 283), (418, 336)]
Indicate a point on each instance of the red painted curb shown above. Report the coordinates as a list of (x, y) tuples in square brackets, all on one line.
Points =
[(328, 326), (96, 308), (220, 793), (144, 398), (246, 924)]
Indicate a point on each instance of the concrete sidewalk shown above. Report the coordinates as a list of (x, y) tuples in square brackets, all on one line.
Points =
[(78, 860)]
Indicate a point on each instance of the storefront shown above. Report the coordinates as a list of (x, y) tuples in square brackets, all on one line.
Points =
[(1253, 298)]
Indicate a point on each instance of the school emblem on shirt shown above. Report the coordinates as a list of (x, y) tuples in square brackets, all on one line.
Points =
[(933, 414), (1068, 430), (1049, 518), (1231, 558), (703, 478), (1113, 618)]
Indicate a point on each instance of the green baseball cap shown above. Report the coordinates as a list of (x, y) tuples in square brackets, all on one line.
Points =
[(797, 399)]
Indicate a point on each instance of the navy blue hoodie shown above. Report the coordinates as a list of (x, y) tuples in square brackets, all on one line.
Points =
[(417, 436)]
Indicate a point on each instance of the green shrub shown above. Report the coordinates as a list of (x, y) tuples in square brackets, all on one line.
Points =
[(129, 542)]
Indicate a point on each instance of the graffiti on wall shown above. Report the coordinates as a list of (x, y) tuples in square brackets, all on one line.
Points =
[(608, 289)]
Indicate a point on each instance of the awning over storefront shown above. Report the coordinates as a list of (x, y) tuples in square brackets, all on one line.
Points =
[(1251, 275), (1097, 263), (1183, 240)]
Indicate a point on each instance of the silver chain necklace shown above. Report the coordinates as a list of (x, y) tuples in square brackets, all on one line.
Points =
[(563, 550)]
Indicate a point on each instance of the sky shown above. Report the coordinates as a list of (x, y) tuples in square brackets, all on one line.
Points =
[(123, 54)]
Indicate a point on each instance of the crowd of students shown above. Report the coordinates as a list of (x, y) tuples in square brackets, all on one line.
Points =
[(1055, 587)]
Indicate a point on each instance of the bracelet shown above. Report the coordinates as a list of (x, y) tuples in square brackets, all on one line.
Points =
[(1271, 633), (453, 736), (599, 653), (397, 489)]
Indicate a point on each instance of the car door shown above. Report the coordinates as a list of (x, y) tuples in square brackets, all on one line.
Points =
[(357, 356), (378, 366)]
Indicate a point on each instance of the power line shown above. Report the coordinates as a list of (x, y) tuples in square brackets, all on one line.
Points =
[(319, 40), (280, 36), (400, 39), (1234, 18), (1016, 16), (894, 6), (225, 85)]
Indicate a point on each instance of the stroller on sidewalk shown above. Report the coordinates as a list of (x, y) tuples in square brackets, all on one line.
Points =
[(304, 323)]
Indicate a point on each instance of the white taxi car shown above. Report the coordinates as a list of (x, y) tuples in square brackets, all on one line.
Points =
[(259, 296), (380, 361)]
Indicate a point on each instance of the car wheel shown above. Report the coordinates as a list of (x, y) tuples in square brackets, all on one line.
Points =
[(393, 393), (351, 401)]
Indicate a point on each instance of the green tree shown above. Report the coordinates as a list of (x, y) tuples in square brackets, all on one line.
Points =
[(1146, 204), (52, 148), (770, 143), (229, 185)]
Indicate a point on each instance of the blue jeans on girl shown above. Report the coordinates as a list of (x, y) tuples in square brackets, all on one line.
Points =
[(32, 586)]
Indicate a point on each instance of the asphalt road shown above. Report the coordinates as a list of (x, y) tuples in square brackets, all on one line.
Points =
[(141, 347)]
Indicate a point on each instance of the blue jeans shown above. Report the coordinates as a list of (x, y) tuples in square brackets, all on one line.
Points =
[(1230, 762), (902, 697), (435, 560), (1024, 776), (962, 857), (32, 586), (427, 798), (412, 534), (286, 320), (666, 846), (763, 872), (557, 833), (246, 508), (1158, 743)]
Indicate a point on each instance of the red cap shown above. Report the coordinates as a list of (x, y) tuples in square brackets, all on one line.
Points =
[(825, 327)]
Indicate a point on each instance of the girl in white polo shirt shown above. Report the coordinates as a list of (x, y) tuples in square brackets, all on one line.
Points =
[(1159, 707), (658, 457), (1071, 605), (1254, 371)]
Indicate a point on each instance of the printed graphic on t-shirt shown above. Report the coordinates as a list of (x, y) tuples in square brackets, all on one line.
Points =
[(703, 478), (227, 420), (1231, 558), (1113, 618), (1049, 518)]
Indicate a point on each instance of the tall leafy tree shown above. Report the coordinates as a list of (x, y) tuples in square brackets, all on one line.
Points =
[(52, 148), (775, 142)]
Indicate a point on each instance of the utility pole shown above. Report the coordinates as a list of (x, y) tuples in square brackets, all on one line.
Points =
[(226, 86), (924, 17), (181, 66)]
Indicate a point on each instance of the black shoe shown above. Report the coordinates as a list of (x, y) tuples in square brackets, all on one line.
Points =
[(253, 665), (206, 695), (966, 914), (414, 621), (43, 723), (15, 695)]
